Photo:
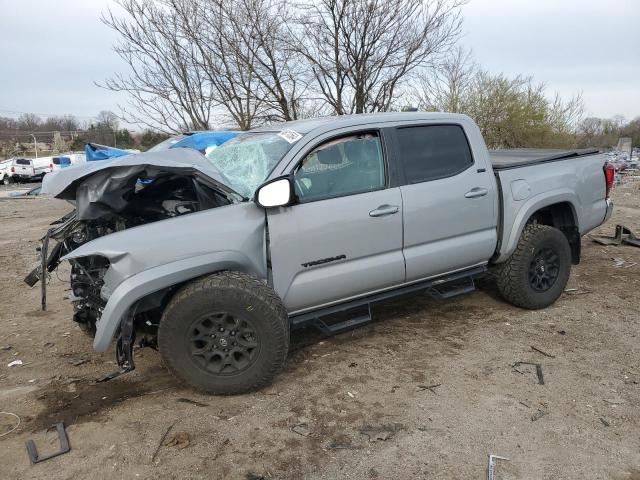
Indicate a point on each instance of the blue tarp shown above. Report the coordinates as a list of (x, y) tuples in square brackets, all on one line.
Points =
[(94, 151), (202, 140)]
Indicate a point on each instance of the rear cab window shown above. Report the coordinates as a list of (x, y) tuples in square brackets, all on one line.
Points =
[(432, 152), (23, 161)]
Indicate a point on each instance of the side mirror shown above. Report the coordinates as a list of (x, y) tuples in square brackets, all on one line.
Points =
[(275, 193)]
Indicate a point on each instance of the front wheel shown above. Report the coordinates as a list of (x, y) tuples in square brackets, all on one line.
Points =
[(226, 333), (536, 273)]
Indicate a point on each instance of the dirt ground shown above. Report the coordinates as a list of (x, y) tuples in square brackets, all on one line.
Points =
[(354, 405)]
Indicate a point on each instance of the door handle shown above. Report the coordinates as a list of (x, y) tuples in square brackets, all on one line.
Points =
[(384, 210), (476, 192)]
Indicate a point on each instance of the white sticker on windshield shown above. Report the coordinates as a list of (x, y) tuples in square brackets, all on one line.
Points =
[(290, 136)]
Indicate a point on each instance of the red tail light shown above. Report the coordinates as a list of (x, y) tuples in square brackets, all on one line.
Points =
[(51, 166), (609, 174), (13, 169)]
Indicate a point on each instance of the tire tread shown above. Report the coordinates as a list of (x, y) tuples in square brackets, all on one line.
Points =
[(243, 285)]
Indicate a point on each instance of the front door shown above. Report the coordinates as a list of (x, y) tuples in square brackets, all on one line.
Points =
[(343, 238)]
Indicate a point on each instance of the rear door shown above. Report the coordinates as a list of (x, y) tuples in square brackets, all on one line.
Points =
[(448, 201), (343, 238)]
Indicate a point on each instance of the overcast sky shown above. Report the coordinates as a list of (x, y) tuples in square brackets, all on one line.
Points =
[(52, 52)]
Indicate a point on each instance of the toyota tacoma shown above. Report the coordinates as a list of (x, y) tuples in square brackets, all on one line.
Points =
[(214, 259)]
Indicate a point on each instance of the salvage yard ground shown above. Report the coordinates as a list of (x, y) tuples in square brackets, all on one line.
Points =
[(359, 405)]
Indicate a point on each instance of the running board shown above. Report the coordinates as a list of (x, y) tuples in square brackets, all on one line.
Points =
[(440, 288), (331, 328), (453, 289)]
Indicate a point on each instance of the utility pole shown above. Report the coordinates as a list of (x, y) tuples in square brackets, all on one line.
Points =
[(35, 144)]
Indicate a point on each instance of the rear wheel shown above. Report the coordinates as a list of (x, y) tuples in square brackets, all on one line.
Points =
[(7, 180), (226, 333), (538, 270)]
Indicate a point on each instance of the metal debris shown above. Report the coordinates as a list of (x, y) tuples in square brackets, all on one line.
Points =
[(604, 422), (15, 363), (538, 370), (431, 388), (492, 464), (622, 236), (542, 352), (34, 457)]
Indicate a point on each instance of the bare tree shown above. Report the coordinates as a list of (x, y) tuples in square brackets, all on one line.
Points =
[(360, 52), (445, 87), (166, 86), (261, 27), (565, 115), (107, 119)]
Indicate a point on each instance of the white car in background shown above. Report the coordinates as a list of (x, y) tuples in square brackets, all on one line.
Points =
[(6, 176)]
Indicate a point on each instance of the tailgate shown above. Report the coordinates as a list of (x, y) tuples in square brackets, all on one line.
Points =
[(24, 170)]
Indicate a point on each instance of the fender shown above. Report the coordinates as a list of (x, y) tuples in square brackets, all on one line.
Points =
[(151, 257), (157, 278), (528, 208)]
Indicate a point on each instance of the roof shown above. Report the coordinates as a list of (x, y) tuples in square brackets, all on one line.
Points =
[(338, 121)]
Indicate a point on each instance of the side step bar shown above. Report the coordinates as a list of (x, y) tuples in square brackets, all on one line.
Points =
[(440, 288)]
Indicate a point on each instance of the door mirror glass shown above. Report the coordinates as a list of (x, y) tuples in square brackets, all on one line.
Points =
[(276, 193)]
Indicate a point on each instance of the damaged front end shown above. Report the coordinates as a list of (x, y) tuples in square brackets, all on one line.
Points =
[(112, 197)]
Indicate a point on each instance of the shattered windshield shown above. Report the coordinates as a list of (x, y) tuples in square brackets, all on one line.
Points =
[(247, 160)]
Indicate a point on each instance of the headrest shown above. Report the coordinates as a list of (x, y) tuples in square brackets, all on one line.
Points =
[(329, 156)]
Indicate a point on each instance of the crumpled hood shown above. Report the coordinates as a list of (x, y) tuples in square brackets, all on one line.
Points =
[(64, 183)]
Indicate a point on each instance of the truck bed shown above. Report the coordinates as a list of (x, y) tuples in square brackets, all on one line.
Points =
[(512, 158)]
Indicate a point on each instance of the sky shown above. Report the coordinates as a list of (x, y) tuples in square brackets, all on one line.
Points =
[(53, 52)]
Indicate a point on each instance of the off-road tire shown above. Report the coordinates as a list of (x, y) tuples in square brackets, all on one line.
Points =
[(513, 275), (242, 296), (7, 180)]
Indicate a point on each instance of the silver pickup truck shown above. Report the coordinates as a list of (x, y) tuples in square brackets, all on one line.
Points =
[(214, 260)]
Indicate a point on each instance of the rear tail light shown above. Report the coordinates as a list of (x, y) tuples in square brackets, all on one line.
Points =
[(51, 166), (13, 169), (609, 174)]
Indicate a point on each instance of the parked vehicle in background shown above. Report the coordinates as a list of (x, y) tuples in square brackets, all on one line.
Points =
[(310, 223), (58, 163), (65, 160), (6, 175), (23, 170)]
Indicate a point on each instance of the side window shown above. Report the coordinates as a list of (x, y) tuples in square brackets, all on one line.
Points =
[(343, 166), (433, 152)]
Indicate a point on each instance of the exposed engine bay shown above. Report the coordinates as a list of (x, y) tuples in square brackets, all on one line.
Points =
[(109, 201)]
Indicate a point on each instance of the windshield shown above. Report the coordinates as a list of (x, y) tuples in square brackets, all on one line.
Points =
[(247, 160)]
